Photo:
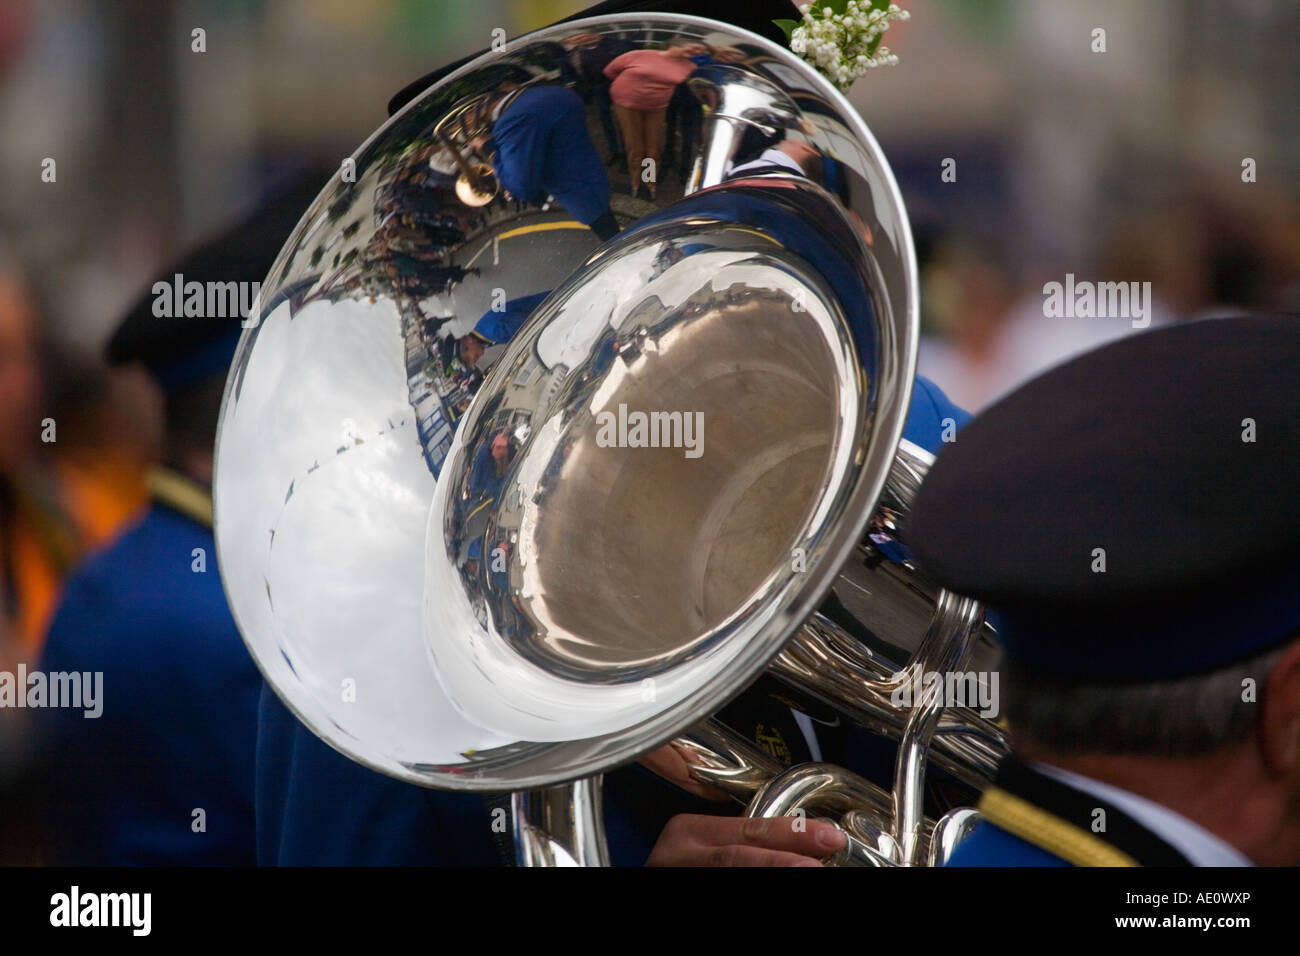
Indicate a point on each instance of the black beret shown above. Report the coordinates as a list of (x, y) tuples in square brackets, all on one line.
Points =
[(756, 16), (1135, 512), (181, 350)]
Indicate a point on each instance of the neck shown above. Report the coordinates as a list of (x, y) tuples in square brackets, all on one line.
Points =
[(1227, 793), (194, 464)]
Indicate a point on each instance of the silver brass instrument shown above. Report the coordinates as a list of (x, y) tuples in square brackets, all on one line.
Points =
[(467, 563)]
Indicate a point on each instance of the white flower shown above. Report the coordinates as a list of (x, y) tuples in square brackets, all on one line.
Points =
[(837, 44)]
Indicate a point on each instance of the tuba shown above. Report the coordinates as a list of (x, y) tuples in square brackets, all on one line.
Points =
[(501, 505)]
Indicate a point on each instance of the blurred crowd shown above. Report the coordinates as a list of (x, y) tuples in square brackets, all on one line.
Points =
[(985, 328), (75, 444)]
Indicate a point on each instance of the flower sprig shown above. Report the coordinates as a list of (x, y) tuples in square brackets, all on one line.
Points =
[(842, 37)]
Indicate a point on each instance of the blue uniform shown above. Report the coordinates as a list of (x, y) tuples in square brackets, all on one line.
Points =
[(1032, 819), (989, 845), (497, 327), (317, 807), (165, 774), (540, 145)]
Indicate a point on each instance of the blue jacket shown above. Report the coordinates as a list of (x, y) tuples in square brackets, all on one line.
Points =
[(989, 845), (317, 807), (497, 327), (179, 719), (541, 145), (1032, 819)]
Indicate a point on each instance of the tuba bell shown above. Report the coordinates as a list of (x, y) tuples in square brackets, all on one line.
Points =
[(501, 505)]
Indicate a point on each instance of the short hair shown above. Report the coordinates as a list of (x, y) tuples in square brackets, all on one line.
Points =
[(1185, 717)]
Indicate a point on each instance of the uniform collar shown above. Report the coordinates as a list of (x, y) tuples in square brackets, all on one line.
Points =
[(502, 103), (1084, 828), (1199, 845), (766, 160), (181, 494)]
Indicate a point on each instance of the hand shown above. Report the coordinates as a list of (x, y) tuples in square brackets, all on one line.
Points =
[(691, 839)]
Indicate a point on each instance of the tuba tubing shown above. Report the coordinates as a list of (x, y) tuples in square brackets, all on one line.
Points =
[(452, 528), (883, 828)]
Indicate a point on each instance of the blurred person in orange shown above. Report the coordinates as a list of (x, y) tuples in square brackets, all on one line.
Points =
[(57, 502)]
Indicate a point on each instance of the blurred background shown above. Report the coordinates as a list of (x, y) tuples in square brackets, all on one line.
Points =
[(1117, 165)]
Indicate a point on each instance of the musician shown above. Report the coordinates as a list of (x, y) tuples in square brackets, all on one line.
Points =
[(497, 327), (163, 774), (316, 807), (539, 145), (1132, 517)]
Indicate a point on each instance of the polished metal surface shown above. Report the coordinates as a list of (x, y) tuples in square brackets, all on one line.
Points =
[(840, 671), (560, 826), (435, 558), (885, 828), (714, 762), (945, 650), (948, 831), (823, 788), (619, 563)]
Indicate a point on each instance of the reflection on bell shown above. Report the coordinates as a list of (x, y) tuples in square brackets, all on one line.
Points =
[(480, 188), (507, 649)]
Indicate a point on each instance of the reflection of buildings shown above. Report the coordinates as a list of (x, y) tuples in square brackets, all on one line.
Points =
[(439, 393)]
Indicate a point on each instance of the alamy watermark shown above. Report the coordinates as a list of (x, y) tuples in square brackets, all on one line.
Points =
[(74, 689), (1098, 300), (193, 299), (75, 908), (638, 429), (977, 690)]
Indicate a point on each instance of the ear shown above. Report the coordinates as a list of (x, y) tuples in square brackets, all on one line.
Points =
[(1280, 721)]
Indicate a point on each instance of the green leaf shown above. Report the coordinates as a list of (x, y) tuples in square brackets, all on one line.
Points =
[(787, 27)]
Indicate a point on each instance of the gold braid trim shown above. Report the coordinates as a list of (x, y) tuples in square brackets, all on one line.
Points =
[(185, 495), (1049, 832)]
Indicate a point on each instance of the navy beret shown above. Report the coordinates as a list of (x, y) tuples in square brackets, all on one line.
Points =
[(1132, 514), (181, 347)]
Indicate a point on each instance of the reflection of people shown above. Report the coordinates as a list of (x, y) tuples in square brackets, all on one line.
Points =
[(681, 830), (539, 145), (792, 155), (590, 53), (384, 820), (164, 774), (497, 327), (490, 464), (470, 349), (756, 16), (642, 85), (1150, 625)]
